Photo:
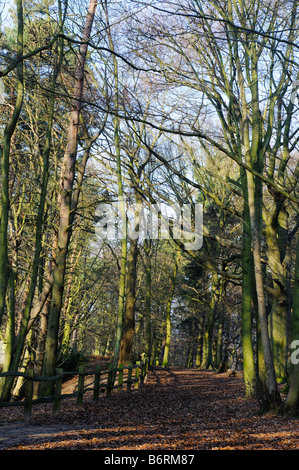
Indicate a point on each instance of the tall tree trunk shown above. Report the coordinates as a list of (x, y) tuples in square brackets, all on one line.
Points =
[(10, 329), (128, 327), (148, 276), (172, 282), (291, 405), (254, 158), (19, 346), (199, 349), (246, 324), (274, 396), (122, 203), (65, 203), (5, 164), (278, 318), (40, 348), (66, 314), (219, 340), (207, 356), (18, 350)]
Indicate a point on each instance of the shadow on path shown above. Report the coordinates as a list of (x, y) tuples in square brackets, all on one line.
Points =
[(176, 409)]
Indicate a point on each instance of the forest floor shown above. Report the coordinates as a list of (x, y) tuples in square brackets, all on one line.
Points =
[(176, 409)]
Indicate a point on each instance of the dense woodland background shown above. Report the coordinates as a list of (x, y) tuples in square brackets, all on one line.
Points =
[(188, 102)]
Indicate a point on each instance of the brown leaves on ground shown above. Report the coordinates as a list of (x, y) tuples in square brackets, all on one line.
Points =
[(177, 409)]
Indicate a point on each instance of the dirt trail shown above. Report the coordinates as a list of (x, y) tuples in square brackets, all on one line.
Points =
[(177, 409)]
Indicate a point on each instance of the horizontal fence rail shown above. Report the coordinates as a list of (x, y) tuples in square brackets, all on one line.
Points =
[(104, 381)]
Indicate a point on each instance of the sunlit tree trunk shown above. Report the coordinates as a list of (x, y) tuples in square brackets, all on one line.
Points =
[(39, 232), (219, 340), (198, 359), (253, 157), (207, 354), (122, 223), (261, 302), (24, 327), (65, 203), (148, 277), (172, 283), (41, 337), (5, 163), (128, 327), (10, 328), (278, 318), (246, 325)]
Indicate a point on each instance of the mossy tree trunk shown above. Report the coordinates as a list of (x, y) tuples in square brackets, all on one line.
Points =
[(291, 405), (128, 327), (148, 271), (247, 279), (207, 353)]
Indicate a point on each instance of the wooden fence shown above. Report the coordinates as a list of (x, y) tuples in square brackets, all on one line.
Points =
[(104, 381)]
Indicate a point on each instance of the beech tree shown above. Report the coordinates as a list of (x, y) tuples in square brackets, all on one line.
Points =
[(67, 179), (221, 53), (15, 343), (151, 102)]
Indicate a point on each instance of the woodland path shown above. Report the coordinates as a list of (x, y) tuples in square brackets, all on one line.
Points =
[(176, 409)]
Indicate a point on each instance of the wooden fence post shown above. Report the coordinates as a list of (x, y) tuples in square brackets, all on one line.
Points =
[(80, 385), (28, 393), (142, 378), (58, 387), (110, 381), (137, 372), (129, 380), (120, 377), (97, 377), (30, 379)]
